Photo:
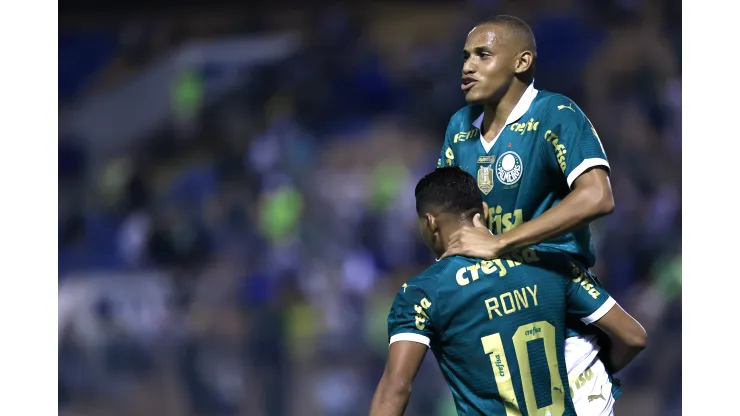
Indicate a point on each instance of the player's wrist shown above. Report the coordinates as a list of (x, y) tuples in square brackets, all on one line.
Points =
[(500, 246), (508, 241)]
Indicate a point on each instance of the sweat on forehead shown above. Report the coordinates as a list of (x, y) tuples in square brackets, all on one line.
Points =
[(489, 34), (487, 28)]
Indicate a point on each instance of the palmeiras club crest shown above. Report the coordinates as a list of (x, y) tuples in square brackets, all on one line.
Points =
[(509, 168)]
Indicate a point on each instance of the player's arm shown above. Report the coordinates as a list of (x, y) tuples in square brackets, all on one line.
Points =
[(394, 389), (409, 330), (591, 303), (628, 338), (591, 198), (578, 153)]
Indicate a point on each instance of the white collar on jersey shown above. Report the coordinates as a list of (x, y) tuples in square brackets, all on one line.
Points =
[(520, 108)]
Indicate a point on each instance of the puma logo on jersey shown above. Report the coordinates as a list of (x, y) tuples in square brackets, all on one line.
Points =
[(569, 107), (593, 397)]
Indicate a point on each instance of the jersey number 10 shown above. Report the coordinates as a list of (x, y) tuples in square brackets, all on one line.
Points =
[(493, 346)]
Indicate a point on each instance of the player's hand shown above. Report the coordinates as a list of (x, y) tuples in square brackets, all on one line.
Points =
[(474, 241)]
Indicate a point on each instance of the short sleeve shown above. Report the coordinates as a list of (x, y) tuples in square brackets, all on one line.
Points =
[(586, 299), (410, 318), (575, 143), (446, 154)]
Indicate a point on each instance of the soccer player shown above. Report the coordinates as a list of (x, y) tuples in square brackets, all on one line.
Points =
[(497, 327), (542, 170)]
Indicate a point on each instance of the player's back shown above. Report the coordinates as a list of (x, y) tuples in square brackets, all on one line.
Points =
[(500, 331)]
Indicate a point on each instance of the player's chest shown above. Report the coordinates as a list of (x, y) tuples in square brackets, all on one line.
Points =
[(502, 166)]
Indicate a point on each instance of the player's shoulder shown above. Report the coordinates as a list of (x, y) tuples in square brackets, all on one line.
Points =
[(465, 117), (554, 105), (430, 278), (431, 274), (545, 97)]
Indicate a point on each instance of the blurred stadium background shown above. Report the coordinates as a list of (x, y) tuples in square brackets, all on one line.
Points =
[(236, 193)]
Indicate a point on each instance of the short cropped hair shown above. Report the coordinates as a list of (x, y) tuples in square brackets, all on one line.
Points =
[(449, 190), (516, 28)]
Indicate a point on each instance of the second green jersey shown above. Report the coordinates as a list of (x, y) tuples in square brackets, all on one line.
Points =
[(498, 328)]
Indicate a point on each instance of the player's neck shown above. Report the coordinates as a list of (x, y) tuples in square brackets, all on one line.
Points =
[(497, 111), (447, 231)]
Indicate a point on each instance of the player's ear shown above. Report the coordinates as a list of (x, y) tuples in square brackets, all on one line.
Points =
[(432, 224), (524, 61), (485, 209)]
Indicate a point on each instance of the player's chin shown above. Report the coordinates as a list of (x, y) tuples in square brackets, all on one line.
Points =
[(472, 97)]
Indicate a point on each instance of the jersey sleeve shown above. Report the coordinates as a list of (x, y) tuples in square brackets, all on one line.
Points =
[(447, 155), (575, 143), (586, 299), (410, 318)]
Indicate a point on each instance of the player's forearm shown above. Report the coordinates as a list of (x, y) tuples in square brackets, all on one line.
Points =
[(627, 338), (390, 399), (577, 210), (618, 355)]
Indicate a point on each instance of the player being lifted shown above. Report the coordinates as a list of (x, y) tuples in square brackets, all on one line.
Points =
[(497, 327), (541, 168)]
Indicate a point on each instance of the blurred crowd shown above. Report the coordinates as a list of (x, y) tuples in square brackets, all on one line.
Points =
[(241, 260)]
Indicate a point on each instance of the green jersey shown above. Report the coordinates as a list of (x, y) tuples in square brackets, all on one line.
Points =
[(546, 144), (497, 328)]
